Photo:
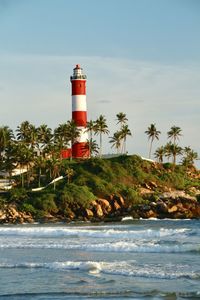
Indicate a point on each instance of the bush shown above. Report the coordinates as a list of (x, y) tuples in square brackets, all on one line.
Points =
[(131, 196), (18, 195), (28, 208), (75, 197), (45, 203)]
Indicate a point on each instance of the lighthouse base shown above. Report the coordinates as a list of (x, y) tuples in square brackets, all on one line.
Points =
[(80, 150)]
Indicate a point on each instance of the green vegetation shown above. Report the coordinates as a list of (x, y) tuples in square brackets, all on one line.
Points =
[(86, 180), (36, 153)]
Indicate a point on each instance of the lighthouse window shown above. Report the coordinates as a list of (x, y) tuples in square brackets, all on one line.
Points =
[(80, 85)]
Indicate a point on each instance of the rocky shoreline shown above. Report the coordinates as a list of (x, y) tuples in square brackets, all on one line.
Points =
[(172, 205)]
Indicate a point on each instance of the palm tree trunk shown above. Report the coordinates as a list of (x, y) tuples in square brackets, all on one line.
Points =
[(150, 148), (100, 152)]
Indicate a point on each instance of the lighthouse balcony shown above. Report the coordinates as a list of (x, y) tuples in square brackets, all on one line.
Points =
[(74, 77)]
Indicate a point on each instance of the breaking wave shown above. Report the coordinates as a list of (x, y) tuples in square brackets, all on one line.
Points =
[(122, 268), (90, 232)]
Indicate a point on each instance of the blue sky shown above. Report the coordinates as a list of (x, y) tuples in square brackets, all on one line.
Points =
[(141, 57)]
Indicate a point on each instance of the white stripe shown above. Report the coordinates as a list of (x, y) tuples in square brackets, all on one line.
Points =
[(79, 103), (83, 138)]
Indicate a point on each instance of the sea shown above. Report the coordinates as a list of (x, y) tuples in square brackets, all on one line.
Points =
[(132, 259)]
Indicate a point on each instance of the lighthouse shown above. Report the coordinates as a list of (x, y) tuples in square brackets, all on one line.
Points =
[(80, 147)]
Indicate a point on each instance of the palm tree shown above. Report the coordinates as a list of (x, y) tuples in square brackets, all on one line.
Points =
[(93, 147), (190, 157), (101, 128), (23, 131), (116, 141), (6, 135), (124, 132), (44, 136), (160, 153), (73, 133), (90, 127), (152, 133), (173, 150), (174, 133), (39, 164), (69, 174), (121, 118)]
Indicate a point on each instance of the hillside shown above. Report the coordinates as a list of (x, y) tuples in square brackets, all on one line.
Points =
[(105, 189)]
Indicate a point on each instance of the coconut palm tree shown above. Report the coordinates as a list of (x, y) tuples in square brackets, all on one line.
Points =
[(174, 133), (173, 150), (23, 132), (124, 132), (73, 133), (44, 136), (90, 127), (101, 128), (94, 148), (153, 134), (189, 157), (69, 174), (121, 118), (160, 153), (115, 140), (6, 136)]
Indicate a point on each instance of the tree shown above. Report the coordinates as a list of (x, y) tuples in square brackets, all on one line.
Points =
[(189, 157), (90, 127), (69, 174), (121, 118), (93, 146), (116, 141), (174, 133), (159, 154), (152, 133), (73, 132), (44, 137), (173, 150), (124, 132), (6, 135), (101, 128)]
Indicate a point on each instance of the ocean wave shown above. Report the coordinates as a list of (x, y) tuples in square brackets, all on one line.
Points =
[(123, 268), (96, 246), (91, 232)]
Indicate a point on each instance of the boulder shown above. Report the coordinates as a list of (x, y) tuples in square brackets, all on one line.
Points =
[(173, 209), (99, 211), (89, 213), (116, 206), (105, 205)]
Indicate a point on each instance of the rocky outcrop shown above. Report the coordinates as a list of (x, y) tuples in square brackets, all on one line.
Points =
[(10, 214), (171, 204), (174, 205)]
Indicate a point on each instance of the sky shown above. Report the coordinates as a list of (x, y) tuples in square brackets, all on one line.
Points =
[(141, 57)]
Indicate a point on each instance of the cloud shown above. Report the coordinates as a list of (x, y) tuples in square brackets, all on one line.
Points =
[(104, 101)]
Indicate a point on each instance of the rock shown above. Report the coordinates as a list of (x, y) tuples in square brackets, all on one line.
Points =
[(116, 206), (89, 213), (173, 209), (120, 200), (162, 207), (144, 191), (105, 205), (99, 211), (151, 214)]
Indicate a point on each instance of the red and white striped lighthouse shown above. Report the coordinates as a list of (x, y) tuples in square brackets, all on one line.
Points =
[(80, 148)]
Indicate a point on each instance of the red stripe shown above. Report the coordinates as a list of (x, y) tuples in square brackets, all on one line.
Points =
[(78, 87), (80, 118), (80, 150)]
